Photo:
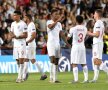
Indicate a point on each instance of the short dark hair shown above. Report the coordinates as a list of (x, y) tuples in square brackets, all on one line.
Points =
[(99, 11), (29, 16), (79, 19), (53, 10), (17, 12)]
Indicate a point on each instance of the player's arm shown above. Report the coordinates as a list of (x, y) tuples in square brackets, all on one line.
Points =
[(97, 34), (69, 34), (12, 34), (68, 37), (24, 35), (62, 35), (33, 36), (12, 31), (51, 26)]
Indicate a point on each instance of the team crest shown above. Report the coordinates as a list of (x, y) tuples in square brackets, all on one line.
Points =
[(64, 64)]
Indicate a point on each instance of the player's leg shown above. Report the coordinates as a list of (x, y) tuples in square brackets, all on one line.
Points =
[(85, 71), (75, 72), (82, 55), (55, 65), (20, 71), (26, 61), (32, 54), (15, 55), (25, 69), (55, 71), (74, 62), (51, 53), (43, 76), (96, 72), (104, 67), (22, 54), (52, 59), (97, 53)]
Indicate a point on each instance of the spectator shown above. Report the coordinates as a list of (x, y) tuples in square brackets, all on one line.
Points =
[(40, 11)]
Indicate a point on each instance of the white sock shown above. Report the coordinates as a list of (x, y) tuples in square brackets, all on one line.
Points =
[(104, 67), (25, 70), (39, 68), (56, 71), (75, 73), (55, 68), (51, 71), (85, 71), (20, 71), (96, 72)]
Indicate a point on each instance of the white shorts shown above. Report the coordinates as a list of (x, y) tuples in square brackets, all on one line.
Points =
[(97, 50), (30, 52), (19, 52), (78, 54), (54, 50)]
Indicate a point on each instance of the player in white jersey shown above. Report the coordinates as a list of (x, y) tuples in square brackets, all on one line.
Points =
[(78, 51), (54, 29), (31, 47), (19, 34), (98, 32)]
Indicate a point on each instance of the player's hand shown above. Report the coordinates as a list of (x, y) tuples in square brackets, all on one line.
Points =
[(89, 33), (68, 45), (12, 35), (97, 62), (60, 18)]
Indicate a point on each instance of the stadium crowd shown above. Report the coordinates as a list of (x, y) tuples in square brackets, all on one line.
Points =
[(40, 11)]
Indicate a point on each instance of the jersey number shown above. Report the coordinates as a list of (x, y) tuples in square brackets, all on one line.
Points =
[(80, 36)]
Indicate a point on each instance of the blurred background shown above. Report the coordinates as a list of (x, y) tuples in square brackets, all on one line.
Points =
[(40, 11)]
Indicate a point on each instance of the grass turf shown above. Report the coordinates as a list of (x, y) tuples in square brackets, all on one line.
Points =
[(7, 82)]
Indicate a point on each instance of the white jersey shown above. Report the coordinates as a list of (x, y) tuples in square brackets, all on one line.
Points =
[(53, 34), (99, 26), (30, 29), (79, 32), (18, 28)]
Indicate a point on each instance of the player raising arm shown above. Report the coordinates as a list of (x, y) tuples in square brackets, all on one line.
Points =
[(54, 30)]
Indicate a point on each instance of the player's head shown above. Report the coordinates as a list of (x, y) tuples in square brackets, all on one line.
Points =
[(98, 13), (79, 19), (16, 15), (27, 17), (55, 14)]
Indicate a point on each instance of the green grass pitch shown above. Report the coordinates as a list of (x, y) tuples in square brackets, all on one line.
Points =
[(7, 82)]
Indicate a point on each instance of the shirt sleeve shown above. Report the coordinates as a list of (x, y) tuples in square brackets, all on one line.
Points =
[(98, 26), (25, 27), (33, 28)]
